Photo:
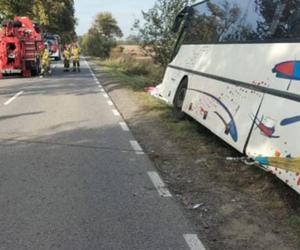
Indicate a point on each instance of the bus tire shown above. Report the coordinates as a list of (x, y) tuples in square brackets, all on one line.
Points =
[(179, 99)]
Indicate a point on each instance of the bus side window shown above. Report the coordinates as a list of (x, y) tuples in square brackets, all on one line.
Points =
[(294, 24)]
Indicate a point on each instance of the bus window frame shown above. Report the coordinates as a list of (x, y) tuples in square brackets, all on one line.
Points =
[(182, 27)]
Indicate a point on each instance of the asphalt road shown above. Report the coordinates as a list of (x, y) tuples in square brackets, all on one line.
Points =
[(73, 177)]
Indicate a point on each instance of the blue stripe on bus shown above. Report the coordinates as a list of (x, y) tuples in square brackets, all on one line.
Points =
[(289, 121), (297, 71)]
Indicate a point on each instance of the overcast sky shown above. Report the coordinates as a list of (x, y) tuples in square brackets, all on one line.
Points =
[(125, 11)]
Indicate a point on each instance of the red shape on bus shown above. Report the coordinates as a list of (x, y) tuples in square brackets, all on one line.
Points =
[(286, 68)]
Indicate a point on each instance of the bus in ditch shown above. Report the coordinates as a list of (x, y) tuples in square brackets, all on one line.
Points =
[(236, 70)]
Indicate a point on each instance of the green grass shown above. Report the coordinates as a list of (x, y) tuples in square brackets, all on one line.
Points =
[(136, 74)]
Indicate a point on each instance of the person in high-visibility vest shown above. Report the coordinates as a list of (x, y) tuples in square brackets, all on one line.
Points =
[(45, 61), (66, 56), (75, 57)]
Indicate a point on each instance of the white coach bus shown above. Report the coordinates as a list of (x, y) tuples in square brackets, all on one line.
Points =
[(236, 70)]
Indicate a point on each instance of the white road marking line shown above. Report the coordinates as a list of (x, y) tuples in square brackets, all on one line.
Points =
[(137, 148), (110, 103), (13, 98), (193, 241), (116, 112), (124, 126), (159, 185), (106, 96)]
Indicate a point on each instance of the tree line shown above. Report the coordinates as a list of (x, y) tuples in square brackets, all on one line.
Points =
[(153, 33), (56, 17)]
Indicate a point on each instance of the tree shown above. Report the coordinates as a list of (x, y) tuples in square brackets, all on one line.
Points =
[(155, 32), (56, 17), (16, 7), (101, 37), (106, 25), (274, 14)]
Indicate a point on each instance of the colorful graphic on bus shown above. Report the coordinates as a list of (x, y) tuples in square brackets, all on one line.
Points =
[(288, 70), (230, 128), (266, 127)]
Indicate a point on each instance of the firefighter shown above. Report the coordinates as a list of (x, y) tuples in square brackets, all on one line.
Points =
[(66, 56), (45, 61), (75, 56), (11, 53)]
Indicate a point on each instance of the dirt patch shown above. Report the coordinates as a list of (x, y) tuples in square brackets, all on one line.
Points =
[(232, 206)]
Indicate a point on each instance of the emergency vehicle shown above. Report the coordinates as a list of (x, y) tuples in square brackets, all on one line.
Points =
[(20, 42), (54, 46)]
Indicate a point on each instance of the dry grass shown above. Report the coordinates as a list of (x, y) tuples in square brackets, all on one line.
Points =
[(133, 51)]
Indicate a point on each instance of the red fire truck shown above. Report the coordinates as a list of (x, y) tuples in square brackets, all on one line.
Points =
[(20, 44)]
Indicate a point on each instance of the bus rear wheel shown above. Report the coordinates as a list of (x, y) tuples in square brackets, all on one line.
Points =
[(179, 99)]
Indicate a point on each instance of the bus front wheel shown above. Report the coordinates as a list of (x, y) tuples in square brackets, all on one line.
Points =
[(179, 99)]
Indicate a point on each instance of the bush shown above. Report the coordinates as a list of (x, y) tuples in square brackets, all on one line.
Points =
[(137, 73), (133, 66)]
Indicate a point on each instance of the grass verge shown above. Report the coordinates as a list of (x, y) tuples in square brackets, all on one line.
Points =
[(126, 72), (135, 74)]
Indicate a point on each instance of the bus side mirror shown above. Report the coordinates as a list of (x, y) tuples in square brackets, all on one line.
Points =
[(179, 18), (176, 24)]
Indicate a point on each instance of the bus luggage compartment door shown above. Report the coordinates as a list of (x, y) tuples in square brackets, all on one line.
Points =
[(225, 109)]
